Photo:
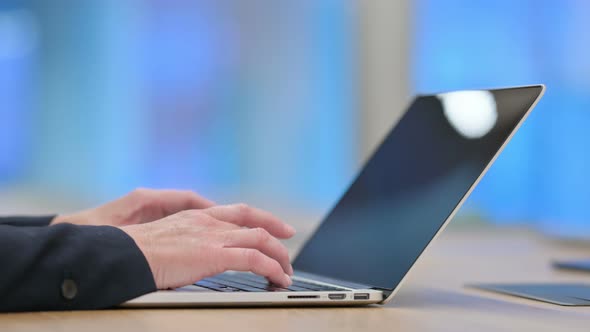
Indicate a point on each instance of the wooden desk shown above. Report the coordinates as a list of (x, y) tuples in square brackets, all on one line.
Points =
[(433, 299)]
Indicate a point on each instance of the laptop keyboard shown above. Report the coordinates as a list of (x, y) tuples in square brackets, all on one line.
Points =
[(247, 282)]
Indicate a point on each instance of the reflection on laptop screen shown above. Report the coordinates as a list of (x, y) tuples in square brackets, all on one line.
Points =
[(412, 184)]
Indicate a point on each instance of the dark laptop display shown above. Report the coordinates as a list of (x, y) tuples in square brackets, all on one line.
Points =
[(412, 184)]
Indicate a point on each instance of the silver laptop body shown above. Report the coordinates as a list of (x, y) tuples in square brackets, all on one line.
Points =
[(402, 199)]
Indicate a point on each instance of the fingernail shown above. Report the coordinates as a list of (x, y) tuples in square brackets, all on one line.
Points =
[(288, 281), (290, 270), (290, 229)]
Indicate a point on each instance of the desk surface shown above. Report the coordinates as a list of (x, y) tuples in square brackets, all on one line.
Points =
[(433, 298)]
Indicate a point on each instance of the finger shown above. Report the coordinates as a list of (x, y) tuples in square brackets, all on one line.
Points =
[(203, 220), (157, 204), (173, 201), (252, 260), (245, 216), (261, 240)]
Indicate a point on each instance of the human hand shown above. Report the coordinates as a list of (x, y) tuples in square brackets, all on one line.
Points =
[(138, 207), (194, 244)]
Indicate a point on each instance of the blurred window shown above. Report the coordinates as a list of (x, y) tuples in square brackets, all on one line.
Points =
[(543, 175)]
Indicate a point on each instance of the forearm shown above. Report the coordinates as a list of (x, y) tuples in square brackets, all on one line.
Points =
[(99, 267)]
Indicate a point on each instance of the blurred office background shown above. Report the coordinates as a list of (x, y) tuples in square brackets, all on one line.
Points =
[(278, 103)]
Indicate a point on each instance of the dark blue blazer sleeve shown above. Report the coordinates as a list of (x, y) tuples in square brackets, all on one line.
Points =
[(69, 267), (26, 221)]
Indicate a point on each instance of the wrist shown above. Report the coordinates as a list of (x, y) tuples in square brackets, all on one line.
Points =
[(80, 218), (57, 220), (142, 240)]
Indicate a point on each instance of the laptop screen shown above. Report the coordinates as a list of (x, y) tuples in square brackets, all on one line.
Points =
[(412, 184)]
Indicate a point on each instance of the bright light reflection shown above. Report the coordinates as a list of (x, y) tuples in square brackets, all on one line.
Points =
[(472, 113)]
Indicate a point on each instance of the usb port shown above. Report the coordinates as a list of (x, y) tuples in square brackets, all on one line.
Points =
[(361, 296), (336, 296)]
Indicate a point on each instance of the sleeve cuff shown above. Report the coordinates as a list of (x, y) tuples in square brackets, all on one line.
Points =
[(118, 269), (70, 267), (27, 221)]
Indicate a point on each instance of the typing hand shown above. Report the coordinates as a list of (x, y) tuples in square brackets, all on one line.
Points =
[(191, 245), (138, 207)]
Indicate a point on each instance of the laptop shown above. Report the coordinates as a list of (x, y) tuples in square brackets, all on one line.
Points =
[(403, 197)]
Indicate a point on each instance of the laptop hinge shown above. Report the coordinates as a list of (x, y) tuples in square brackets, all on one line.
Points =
[(386, 291)]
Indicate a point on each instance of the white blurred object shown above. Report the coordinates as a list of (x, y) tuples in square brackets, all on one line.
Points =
[(472, 113)]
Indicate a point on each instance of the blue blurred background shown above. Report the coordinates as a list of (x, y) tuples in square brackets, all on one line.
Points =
[(277, 103), (543, 176)]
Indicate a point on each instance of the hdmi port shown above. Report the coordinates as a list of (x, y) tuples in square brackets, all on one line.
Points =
[(336, 296)]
